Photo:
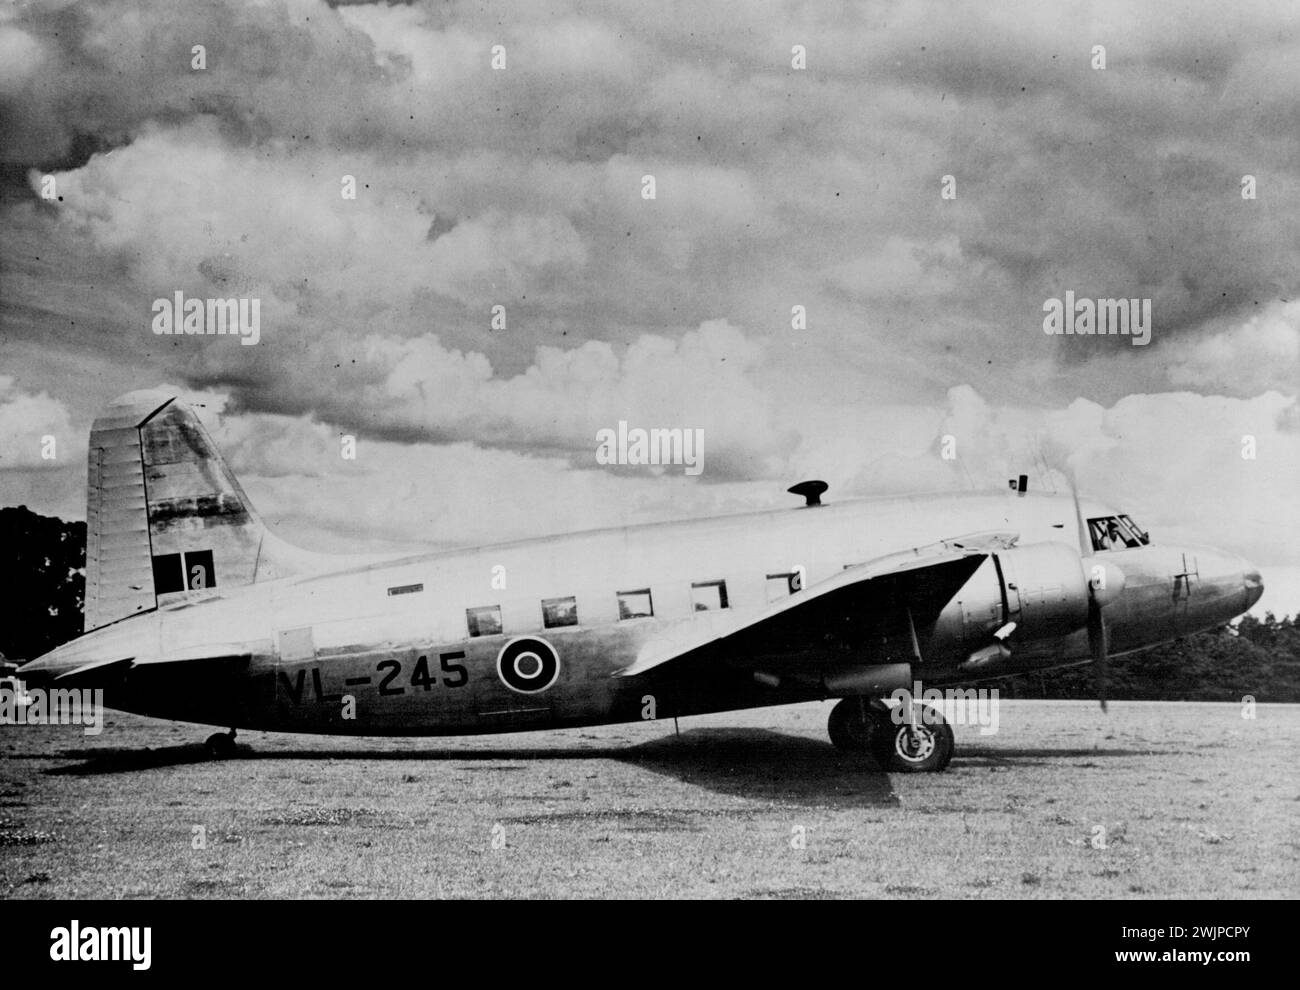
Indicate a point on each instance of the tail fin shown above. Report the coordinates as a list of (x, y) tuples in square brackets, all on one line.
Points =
[(166, 520)]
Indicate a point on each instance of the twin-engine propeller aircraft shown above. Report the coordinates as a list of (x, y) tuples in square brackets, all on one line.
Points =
[(195, 611)]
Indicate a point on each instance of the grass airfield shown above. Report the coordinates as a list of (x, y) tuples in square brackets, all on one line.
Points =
[(1158, 799)]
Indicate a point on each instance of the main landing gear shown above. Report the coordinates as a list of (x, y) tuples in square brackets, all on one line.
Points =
[(866, 725), (221, 745)]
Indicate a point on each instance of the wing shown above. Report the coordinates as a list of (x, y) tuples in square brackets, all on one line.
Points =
[(836, 617)]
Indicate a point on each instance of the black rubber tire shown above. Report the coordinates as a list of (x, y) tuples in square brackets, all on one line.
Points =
[(220, 746), (850, 725), (901, 748)]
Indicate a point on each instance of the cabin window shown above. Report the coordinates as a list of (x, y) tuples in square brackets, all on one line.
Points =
[(708, 596), (635, 604), (783, 585), (559, 612), (484, 620), (404, 589)]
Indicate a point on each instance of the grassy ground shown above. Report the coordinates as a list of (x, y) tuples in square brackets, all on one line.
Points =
[(1190, 800)]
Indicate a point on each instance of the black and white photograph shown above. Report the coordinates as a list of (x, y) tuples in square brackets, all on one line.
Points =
[(659, 451)]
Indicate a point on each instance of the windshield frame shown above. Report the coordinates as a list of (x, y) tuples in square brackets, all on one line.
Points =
[(1129, 533), (1137, 532)]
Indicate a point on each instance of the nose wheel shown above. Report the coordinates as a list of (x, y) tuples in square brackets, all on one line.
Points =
[(861, 725)]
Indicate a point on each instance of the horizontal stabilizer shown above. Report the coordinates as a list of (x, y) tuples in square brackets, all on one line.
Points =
[(99, 672)]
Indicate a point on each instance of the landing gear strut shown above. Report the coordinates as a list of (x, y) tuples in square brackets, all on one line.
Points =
[(221, 745), (861, 725)]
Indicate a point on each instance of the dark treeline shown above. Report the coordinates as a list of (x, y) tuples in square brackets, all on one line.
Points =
[(43, 561), (1256, 657)]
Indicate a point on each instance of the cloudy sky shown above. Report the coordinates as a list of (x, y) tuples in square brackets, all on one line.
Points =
[(775, 188)]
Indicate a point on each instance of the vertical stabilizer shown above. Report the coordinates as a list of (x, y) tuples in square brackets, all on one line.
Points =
[(166, 520)]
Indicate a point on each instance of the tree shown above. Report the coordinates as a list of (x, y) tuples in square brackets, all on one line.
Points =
[(43, 560), (1257, 657)]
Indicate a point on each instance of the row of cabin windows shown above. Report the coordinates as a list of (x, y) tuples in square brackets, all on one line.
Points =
[(706, 596)]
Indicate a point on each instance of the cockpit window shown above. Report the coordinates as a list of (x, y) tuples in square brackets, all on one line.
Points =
[(1142, 536), (1115, 533)]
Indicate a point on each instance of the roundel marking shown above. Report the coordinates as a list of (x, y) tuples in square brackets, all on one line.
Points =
[(528, 665)]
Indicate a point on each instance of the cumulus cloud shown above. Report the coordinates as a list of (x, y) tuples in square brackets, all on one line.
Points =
[(36, 430), (698, 382), (230, 218), (495, 257), (1260, 354)]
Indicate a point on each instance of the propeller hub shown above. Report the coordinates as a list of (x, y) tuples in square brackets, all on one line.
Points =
[(1105, 580)]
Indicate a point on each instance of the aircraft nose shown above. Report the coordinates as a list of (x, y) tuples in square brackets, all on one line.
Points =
[(1211, 587), (1254, 584)]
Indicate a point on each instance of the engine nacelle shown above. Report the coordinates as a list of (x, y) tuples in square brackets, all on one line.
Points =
[(1047, 590), (1041, 587)]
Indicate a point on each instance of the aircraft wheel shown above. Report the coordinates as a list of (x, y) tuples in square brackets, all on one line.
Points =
[(850, 725), (906, 748), (220, 745)]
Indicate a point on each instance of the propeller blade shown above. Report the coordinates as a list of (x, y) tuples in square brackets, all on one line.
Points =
[(1085, 537), (1098, 636), (1098, 640)]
